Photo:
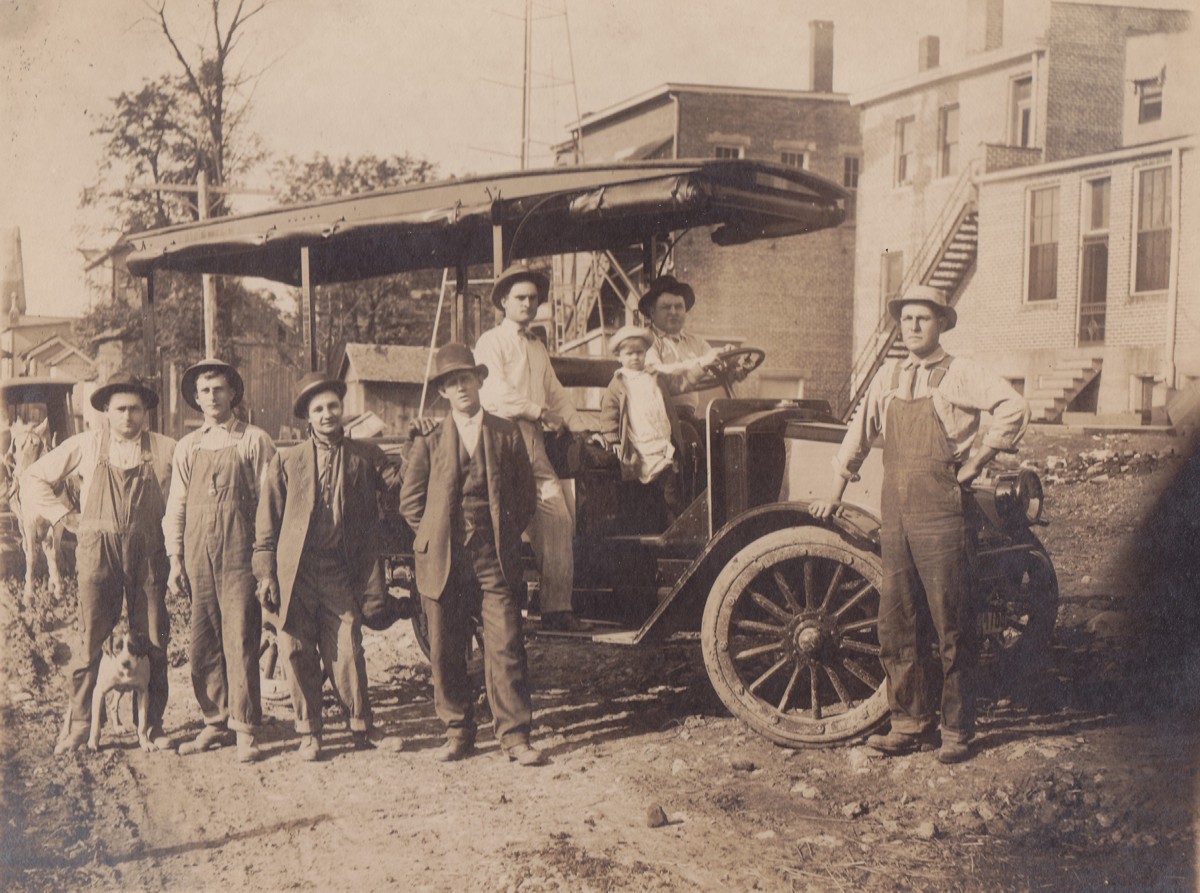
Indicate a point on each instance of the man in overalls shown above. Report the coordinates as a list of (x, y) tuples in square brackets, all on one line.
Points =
[(124, 472), (209, 532), (927, 408)]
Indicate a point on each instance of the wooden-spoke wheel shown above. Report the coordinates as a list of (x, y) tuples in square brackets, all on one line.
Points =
[(790, 642), (1018, 606)]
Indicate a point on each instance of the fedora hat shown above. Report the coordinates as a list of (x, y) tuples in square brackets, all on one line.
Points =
[(187, 383), (519, 272), (623, 334), (926, 294), (312, 384), (454, 358), (123, 383), (666, 285)]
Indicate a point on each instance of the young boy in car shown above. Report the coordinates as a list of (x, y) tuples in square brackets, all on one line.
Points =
[(638, 420)]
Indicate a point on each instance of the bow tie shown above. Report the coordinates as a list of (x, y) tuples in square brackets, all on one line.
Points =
[(529, 335)]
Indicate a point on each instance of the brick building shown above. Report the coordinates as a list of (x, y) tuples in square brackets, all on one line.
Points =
[(1051, 189), (790, 297)]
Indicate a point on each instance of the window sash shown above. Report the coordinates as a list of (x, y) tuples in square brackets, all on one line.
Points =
[(948, 125), (1043, 245), (1153, 252)]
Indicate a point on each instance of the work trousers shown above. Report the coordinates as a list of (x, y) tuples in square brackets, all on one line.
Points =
[(926, 599), (323, 634), (552, 531), (477, 584), (118, 569), (226, 615)]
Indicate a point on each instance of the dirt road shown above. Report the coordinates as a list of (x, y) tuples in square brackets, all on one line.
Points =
[(1083, 780)]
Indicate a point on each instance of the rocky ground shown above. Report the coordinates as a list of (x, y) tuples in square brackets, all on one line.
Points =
[(1084, 778)]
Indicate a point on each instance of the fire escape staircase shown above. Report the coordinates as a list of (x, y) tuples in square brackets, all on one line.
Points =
[(944, 260)]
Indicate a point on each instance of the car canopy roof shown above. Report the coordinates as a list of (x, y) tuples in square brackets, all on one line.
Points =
[(459, 223)]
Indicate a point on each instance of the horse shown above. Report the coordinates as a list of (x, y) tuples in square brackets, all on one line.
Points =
[(28, 443)]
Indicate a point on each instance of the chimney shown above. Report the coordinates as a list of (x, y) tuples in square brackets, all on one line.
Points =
[(12, 276), (985, 25), (927, 52), (820, 57)]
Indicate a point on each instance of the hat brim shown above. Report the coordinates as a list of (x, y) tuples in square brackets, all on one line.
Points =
[(480, 370), (103, 394), (187, 382), (504, 283), (949, 314), (300, 405)]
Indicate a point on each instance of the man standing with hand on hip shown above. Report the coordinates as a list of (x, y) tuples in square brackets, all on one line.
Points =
[(521, 386), (927, 407), (124, 472), (209, 530)]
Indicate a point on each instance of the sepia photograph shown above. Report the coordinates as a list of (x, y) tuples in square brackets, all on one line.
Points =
[(569, 446)]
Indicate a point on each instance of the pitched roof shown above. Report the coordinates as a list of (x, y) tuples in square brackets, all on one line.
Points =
[(384, 362)]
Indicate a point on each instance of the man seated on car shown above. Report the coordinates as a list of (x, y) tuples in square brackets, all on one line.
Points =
[(682, 357)]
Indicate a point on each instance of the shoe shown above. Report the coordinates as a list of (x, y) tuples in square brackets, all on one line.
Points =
[(376, 738), (210, 738), (247, 748), (69, 742), (454, 749), (563, 622), (160, 739), (310, 749), (895, 744), (525, 754), (954, 752)]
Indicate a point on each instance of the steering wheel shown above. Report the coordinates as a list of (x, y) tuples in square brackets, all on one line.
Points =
[(733, 365)]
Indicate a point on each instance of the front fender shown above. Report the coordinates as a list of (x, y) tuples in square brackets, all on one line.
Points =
[(682, 609)]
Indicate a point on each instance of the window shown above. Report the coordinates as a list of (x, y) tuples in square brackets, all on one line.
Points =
[(792, 159), (729, 152), (1153, 258), (1021, 124), (1043, 245), (1149, 99), (1093, 272), (948, 141), (850, 171), (891, 276), (904, 150)]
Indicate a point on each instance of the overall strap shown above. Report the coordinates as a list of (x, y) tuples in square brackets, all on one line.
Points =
[(938, 372), (102, 452), (147, 465), (896, 375)]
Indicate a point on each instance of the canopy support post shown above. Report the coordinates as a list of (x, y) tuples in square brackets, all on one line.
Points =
[(149, 340), (308, 310)]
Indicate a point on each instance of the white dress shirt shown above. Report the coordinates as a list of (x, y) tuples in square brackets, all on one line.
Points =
[(469, 428), (521, 381)]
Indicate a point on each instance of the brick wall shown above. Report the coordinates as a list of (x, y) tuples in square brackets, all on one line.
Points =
[(895, 217), (1020, 339), (791, 297), (1085, 76)]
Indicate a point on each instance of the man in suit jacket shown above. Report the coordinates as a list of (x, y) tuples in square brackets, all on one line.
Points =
[(468, 493), (316, 546)]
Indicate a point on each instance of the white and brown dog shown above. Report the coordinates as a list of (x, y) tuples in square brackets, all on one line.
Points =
[(124, 667)]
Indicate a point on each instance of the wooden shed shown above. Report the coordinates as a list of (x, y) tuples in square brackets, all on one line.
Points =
[(386, 379)]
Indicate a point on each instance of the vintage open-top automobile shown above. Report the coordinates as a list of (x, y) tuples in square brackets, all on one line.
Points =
[(785, 605)]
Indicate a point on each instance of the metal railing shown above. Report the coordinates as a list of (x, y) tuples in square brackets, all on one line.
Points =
[(932, 249)]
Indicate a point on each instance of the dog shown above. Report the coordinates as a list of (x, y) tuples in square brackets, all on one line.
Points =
[(124, 667)]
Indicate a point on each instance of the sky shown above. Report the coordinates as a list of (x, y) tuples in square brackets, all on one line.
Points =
[(439, 80)]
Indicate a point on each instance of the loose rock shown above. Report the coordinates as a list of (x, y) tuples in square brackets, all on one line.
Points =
[(926, 831), (656, 817)]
